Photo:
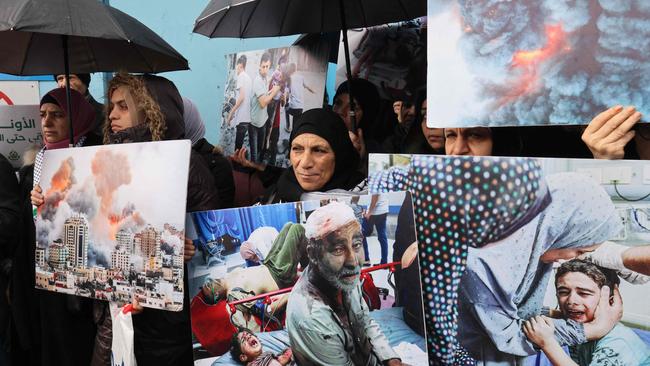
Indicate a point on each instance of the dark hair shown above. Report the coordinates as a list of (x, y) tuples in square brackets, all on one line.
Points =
[(420, 96), (415, 141), (367, 98), (506, 141), (265, 57), (84, 78), (242, 60), (235, 345), (602, 276)]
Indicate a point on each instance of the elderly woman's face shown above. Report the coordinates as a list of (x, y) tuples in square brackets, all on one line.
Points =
[(342, 108), (313, 161), (473, 141), (53, 123)]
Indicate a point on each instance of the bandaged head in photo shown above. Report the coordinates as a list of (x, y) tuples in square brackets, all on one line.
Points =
[(326, 228), (326, 219)]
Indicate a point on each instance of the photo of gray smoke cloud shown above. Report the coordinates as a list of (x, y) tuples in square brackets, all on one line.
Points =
[(532, 62)]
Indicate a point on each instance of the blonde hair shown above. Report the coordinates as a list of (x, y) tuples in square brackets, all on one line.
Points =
[(147, 106)]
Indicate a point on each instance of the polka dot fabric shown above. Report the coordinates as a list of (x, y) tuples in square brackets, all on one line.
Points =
[(459, 202)]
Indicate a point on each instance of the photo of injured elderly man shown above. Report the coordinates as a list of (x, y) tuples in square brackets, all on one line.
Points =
[(334, 281), (533, 261)]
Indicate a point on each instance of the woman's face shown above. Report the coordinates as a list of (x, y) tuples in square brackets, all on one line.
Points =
[(313, 161), (342, 108), (53, 123), (435, 136), (578, 296), (474, 141), (119, 113)]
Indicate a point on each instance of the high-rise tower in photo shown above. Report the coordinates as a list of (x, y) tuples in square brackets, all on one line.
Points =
[(121, 259), (76, 240), (124, 239), (39, 256), (57, 254), (149, 242)]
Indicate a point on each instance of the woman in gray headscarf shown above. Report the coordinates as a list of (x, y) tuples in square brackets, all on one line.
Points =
[(219, 165), (194, 126), (505, 281), (506, 204)]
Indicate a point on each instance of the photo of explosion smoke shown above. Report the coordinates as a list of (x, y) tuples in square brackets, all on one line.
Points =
[(530, 62), (112, 225)]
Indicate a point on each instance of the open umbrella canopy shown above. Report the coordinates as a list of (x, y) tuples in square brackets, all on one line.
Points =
[(267, 18), (99, 38)]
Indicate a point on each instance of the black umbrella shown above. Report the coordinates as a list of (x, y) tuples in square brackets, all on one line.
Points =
[(268, 18), (56, 36)]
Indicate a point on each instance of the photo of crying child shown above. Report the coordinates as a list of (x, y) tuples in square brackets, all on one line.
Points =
[(307, 283)]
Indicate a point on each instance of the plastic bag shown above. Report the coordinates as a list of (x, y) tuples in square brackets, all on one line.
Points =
[(122, 349)]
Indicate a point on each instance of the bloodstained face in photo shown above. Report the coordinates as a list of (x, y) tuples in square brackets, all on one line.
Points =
[(250, 345), (341, 256)]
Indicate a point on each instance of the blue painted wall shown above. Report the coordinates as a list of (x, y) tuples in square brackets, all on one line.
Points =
[(203, 84)]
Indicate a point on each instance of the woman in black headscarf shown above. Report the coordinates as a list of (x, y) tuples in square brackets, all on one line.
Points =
[(421, 139), (322, 158), (366, 109)]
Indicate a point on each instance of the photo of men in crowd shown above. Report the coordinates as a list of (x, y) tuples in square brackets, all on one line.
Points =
[(265, 90), (307, 299)]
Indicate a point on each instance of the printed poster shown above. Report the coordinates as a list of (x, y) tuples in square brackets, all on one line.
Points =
[(511, 239), (515, 63), (259, 275), (113, 222), (20, 129), (265, 92)]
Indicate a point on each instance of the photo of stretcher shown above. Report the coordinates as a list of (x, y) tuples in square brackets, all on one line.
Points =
[(255, 265)]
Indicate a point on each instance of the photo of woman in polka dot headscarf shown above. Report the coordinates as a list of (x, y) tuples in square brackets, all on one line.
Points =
[(489, 230)]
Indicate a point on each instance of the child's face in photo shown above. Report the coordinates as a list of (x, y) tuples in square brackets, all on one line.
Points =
[(250, 346), (577, 295)]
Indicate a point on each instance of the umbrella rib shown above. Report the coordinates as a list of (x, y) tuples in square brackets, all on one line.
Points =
[(284, 17), (116, 24), (250, 16), (71, 31), (19, 13), (144, 58), (92, 53), (406, 14), (29, 45), (363, 13), (220, 10), (322, 15), (219, 22)]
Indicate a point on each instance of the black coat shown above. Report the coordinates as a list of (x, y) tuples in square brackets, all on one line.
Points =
[(221, 171), (49, 328), (9, 219), (165, 337), (9, 209)]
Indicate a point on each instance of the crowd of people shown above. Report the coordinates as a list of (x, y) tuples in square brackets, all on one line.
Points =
[(328, 152), (258, 101)]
